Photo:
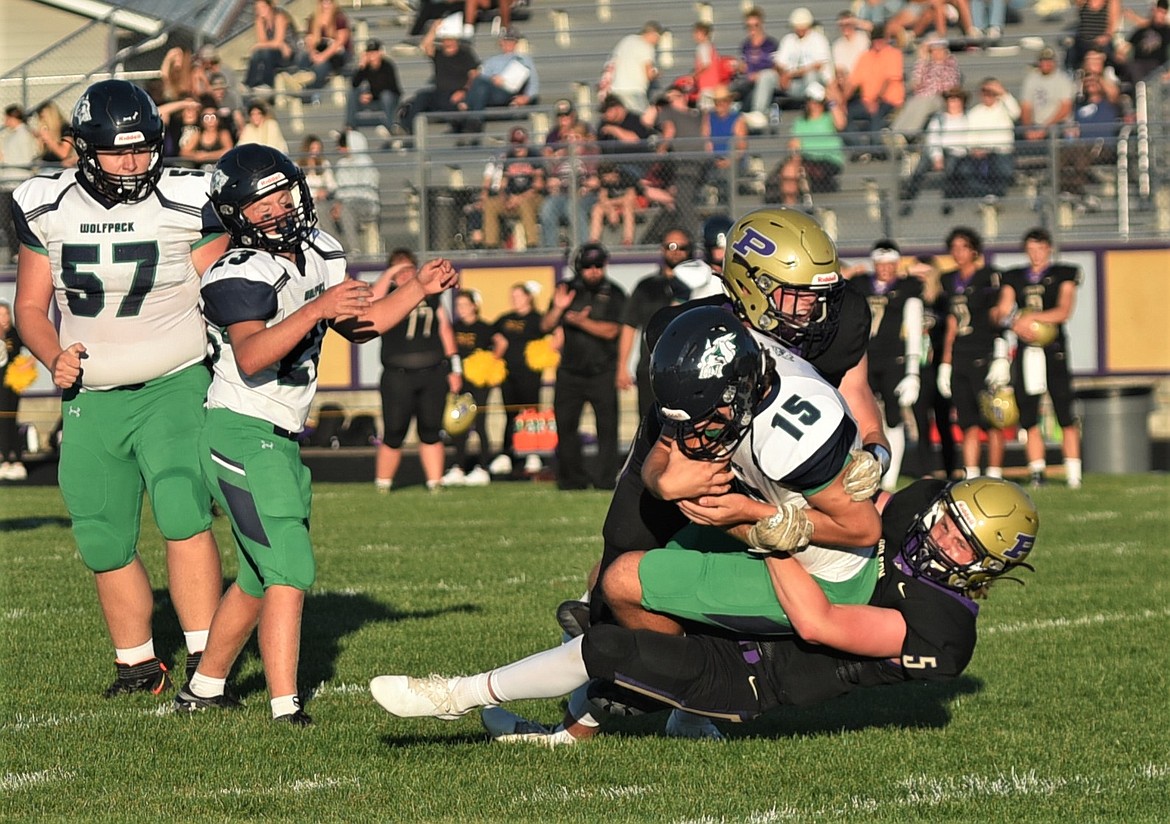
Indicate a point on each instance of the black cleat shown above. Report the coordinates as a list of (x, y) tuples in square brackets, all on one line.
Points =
[(300, 718), (187, 701), (1037, 480), (149, 676), (573, 616)]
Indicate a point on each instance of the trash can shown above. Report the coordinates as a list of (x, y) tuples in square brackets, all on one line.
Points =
[(444, 211), (1115, 436)]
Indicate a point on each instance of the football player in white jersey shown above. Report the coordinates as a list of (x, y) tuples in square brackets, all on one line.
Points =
[(118, 245), (743, 414), (268, 303)]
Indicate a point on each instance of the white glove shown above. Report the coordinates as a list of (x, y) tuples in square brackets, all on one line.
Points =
[(944, 379), (999, 373), (907, 390), (863, 475), (789, 530)]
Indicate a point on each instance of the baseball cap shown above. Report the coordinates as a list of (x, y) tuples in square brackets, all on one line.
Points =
[(1046, 53), (814, 91), (801, 18), (563, 106), (373, 45)]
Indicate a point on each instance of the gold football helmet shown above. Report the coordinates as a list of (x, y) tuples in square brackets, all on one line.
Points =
[(998, 521), (1044, 332), (782, 274), (999, 407), (458, 413)]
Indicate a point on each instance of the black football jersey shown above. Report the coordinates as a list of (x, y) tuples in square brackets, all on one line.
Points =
[(414, 342), (970, 302), (1038, 291), (887, 304)]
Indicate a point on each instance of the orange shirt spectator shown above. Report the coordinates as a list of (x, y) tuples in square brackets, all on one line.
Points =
[(879, 75)]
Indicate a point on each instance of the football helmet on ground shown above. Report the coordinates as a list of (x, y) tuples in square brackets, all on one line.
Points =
[(782, 274), (708, 374), (996, 518), (117, 117), (253, 171)]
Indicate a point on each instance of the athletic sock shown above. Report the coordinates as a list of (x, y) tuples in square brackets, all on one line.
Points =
[(1037, 467), (136, 655), (196, 641), (972, 472), (581, 708), (995, 472), (547, 674), (205, 686), (896, 437), (1072, 471), (285, 705)]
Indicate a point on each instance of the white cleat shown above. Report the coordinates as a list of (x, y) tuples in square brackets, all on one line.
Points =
[(454, 477), (409, 697), (509, 728), (501, 465), (682, 724), (477, 477)]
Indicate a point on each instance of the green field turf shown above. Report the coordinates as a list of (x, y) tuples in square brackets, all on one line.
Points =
[(1062, 716)]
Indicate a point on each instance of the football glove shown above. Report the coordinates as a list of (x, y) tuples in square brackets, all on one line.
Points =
[(944, 379), (907, 390), (999, 373), (789, 530), (863, 475)]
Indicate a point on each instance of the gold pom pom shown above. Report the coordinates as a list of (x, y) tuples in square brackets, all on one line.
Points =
[(22, 371), (482, 368), (540, 355)]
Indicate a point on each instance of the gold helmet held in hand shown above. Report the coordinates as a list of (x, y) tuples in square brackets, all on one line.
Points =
[(458, 413)]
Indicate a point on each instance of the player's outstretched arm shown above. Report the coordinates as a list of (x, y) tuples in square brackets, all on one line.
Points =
[(433, 277), (856, 628), (258, 347)]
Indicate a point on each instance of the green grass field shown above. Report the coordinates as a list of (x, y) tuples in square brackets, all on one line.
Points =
[(1063, 714)]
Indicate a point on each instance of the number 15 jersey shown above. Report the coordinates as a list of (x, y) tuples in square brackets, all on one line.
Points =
[(246, 284), (123, 279)]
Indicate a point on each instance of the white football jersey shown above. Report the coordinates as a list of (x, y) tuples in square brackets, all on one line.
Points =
[(246, 284), (122, 273), (799, 442)]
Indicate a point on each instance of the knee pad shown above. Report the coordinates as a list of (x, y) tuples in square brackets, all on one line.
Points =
[(181, 503), (103, 548)]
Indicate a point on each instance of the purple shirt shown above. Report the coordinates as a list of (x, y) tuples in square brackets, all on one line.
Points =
[(758, 58)]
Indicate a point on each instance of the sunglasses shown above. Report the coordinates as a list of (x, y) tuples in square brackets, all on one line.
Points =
[(676, 247)]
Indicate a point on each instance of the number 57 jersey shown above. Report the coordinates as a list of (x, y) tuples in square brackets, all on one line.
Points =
[(122, 274), (799, 442), (248, 285)]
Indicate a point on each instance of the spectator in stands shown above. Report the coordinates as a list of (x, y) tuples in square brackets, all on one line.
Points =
[(1046, 102), (633, 68), (207, 68), (275, 46), (757, 57), (176, 74), (1090, 140), (1095, 65), (726, 132), (653, 292), (1150, 42), (374, 88), (356, 202), (804, 57), (319, 177), (505, 79), (885, 13), (848, 46), (683, 165), (623, 132), (617, 202), (587, 310), (212, 141), (709, 69), (19, 150), (570, 183), (56, 136), (816, 151), (429, 10), (513, 186), (1097, 22), (917, 16), (328, 44), (455, 66), (988, 17), (935, 71), (262, 127), (874, 91), (182, 125), (947, 143), (992, 122), (227, 104)]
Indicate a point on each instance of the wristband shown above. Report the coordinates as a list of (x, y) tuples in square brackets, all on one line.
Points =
[(456, 364), (1008, 321), (881, 453)]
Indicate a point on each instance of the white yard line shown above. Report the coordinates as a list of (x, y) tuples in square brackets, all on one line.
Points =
[(1073, 623)]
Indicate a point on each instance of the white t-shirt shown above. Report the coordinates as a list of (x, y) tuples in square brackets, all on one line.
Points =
[(797, 52), (630, 58)]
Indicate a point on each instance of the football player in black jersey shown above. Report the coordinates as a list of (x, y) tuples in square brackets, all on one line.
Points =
[(943, 545), (1043, 295), (895, 344), (974, 353)]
